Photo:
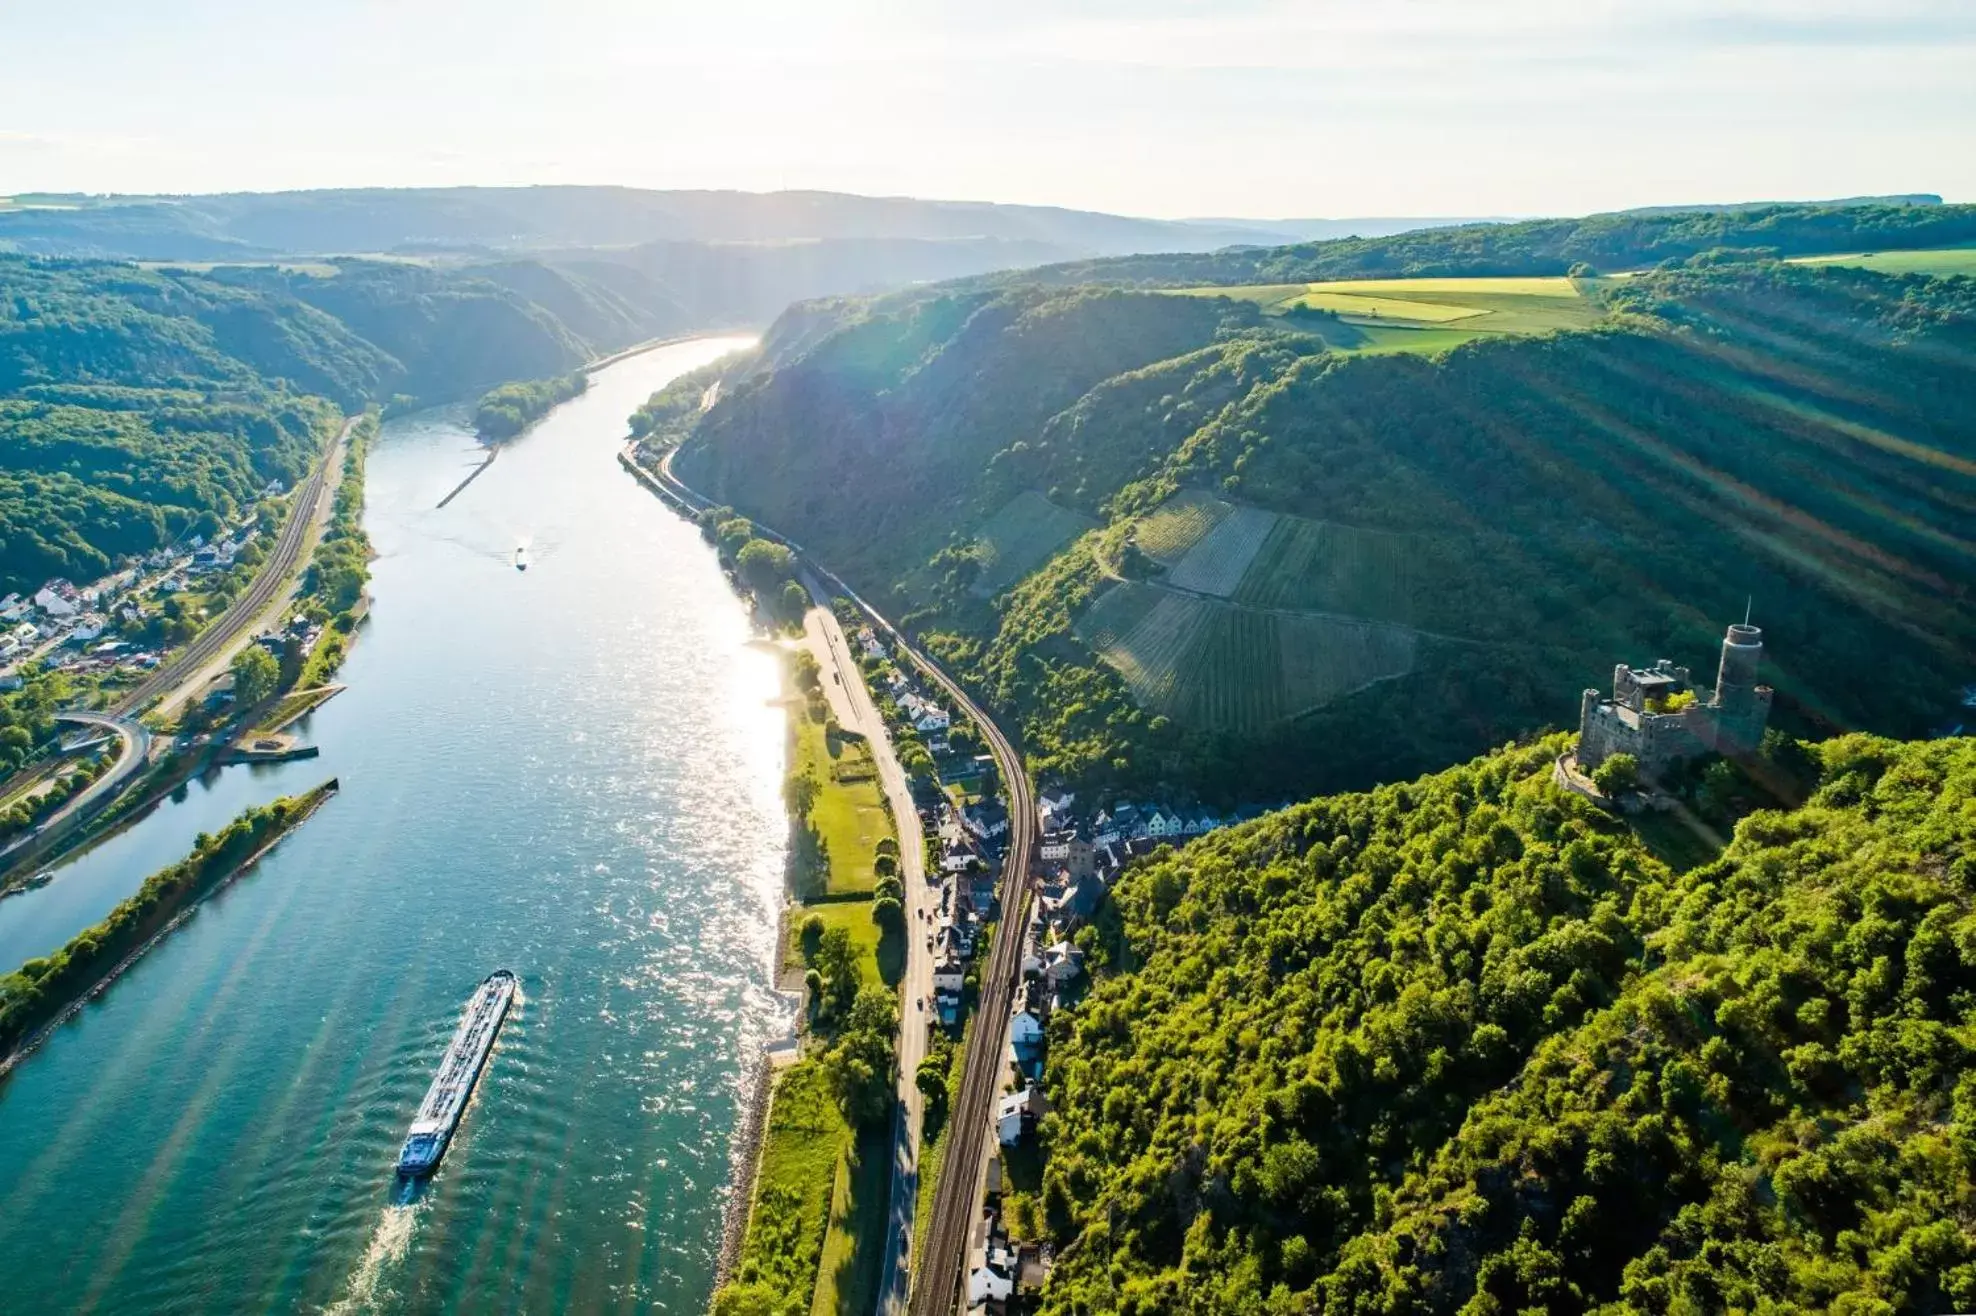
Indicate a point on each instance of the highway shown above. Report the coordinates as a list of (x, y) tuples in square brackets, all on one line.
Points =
[(313, 501), (957, 1199)]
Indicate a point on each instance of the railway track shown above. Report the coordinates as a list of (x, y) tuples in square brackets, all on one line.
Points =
[(243, 611), (937, 1274)]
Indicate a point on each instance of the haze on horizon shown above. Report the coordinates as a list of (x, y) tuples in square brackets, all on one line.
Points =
[(1427, 107)]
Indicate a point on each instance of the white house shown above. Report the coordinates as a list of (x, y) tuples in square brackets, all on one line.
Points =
[(1162, 825), (1016, 1113), (1062, 962), (991, 1274), (948, 972), (1025, 1030)]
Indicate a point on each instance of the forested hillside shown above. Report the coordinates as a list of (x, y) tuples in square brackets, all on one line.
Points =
[(1626, 240), (1465, 1044), (138, 406), (1318, 569)]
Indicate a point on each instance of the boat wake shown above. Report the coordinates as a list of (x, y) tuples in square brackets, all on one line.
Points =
[(390, 1239)]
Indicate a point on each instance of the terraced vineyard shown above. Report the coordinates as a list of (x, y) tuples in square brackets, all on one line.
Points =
[(1219, 667), (1176, 525), (1323, 567), (1022, 536), (1216, 564)]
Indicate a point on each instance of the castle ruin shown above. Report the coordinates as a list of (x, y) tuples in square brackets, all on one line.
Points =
[(1660, 719)]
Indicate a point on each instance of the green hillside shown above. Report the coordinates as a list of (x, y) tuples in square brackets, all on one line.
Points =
[(138, 406), (1466, 1045), (1529, 508)]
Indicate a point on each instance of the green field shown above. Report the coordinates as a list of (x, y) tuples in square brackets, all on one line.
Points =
[(848, 1271), (880, 964), (1383, 308), (1217, 563), (1941, 260), (1219, 667), (1176, 525), (802, 1148), (849, 812), (1321, 567), (1022, 536), (1423, 315)]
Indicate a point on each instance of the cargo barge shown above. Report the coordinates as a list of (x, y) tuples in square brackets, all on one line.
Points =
[(446, 1100)]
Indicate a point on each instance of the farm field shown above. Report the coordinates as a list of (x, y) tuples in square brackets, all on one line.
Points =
[(1176, 525), (1384, 308), (1940, 260), (1322, 567), (1024, 534), (1443, 312), (1216, 564), (1218, 667)]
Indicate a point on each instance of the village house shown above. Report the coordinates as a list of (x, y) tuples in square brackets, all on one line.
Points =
[(1063, 962), (57, 599), (991, 1265), (1017, 1114)]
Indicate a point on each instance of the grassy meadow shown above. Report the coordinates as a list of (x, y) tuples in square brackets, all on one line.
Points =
[(1942, 260)]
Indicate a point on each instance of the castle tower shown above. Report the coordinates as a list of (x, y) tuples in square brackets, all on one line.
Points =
[(1741, 707), (1735, 679)]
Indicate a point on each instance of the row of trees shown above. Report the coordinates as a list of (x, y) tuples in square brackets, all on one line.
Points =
[(42, 987)]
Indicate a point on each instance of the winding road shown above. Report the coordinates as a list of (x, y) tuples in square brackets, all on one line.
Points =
[(136, 751), (959, 1193)]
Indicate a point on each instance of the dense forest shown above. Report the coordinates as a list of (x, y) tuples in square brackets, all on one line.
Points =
[(1800, 439), (138, 405), (1465, 1044)]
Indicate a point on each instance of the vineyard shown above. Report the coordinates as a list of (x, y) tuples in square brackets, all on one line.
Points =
[(1322, 567), (1216, 564), (1215, 666), (1176, 525), (1021, 537)]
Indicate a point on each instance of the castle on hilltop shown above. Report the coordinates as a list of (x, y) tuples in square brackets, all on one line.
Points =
[(1660, 719)]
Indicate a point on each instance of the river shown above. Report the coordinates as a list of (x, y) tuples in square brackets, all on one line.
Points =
[(573, 771)]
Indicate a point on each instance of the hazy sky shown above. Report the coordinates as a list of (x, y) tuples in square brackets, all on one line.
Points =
[(1373, 107)]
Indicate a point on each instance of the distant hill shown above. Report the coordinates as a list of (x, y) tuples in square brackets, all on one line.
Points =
[(259, 225), (1628, 240), (1321, 565)]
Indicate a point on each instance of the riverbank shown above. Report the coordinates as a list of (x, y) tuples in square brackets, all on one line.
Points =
[(808, 1204), (45, 993)]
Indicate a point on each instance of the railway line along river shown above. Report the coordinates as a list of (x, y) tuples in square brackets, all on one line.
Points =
[(572, 771)]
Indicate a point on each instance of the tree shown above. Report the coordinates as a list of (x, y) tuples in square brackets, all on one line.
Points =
[(888, 913), (810, 933), (861, 1062), (837, 960), (1616, 776), (255, 676), (795, 600), (763, 564)]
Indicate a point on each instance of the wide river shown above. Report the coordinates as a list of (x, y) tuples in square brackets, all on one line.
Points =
[(572, 771)]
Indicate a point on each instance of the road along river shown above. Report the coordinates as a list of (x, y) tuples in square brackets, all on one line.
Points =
[(572, 771)]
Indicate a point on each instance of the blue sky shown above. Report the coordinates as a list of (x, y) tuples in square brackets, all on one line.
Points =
[(1381, 107)]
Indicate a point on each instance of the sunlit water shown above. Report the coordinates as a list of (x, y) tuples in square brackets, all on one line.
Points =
[(572, 771)]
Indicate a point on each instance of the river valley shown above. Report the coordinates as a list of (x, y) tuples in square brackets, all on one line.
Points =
[(572, 771)]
